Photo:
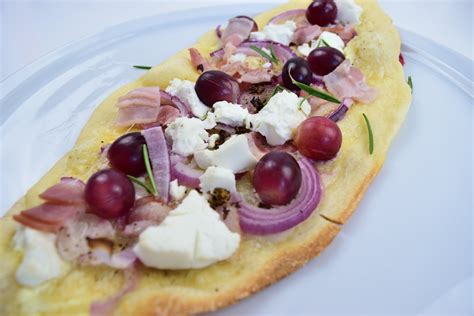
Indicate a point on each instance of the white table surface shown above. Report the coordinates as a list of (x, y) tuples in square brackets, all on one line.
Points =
[(30, 29)]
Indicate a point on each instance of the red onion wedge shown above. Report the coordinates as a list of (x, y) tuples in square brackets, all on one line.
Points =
[(219, 31), (298, 15), (341, 110), (260, 221), (185, 173), (282, 52), (160, 161), (168, 99)]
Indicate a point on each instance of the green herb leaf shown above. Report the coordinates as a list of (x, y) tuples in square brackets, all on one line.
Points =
[(149, 172), (371, 135), (315, 92), (410, 83), (275, 58), (141, 67), (325, 43), (140, 183), (264, 54)]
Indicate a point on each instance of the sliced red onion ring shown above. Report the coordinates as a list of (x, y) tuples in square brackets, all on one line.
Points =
[(298, 15), (219, 31), (160, 161), (282, 52), (341, 110), (168, 99), (260, 221), (185, 173)]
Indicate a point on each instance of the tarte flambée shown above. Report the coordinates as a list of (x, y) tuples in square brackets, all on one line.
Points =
[(217, 173)]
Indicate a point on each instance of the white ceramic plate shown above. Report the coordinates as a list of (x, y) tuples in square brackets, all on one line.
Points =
[(407, 249)]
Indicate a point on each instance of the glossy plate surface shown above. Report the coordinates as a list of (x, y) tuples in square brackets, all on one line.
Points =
[(408, 248)]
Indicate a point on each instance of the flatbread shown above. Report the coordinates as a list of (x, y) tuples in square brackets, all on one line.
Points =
[(259, 261)]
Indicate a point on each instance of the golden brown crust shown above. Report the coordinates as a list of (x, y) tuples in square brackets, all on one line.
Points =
[(259, 262)]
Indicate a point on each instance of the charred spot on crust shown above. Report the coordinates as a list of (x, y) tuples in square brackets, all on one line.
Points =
[(257, 88), (241, 130), (225, 212), (219, 197), (257, 103), (223, 136), (200, 67)]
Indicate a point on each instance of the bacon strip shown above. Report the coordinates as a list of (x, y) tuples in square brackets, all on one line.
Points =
[(349, 82), (345, 32), (144, 215), (305, 34), (237, 31), (72, 240), (68, 191), (52, 213), (198, 61), (139, 106)]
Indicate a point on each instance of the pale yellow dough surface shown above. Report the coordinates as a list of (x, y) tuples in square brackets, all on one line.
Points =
[(259, 262)]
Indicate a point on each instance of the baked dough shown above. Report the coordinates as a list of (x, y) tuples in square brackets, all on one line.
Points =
[(259, 262)]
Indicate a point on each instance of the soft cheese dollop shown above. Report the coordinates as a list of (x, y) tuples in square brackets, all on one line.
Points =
[(332, 39), (348, 11), (237, 58), (280, 117), (192, 236), (189, 134), (234, 154), (41, 261), (184, 90), (281, 33), (217, 177), (177, 191), (230, 114)]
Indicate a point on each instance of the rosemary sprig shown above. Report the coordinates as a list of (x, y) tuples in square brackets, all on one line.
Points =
[(323, 42), (410, 83), (148, 170), (141, 67), (315, 92), (371, 135), (262, 53), (272, 52), (140, 183)]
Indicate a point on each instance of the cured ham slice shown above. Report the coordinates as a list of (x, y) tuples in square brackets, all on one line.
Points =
[(305, 34), (139, 106), (72, 240), (237, 31), (68, 191), (349, 82)]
